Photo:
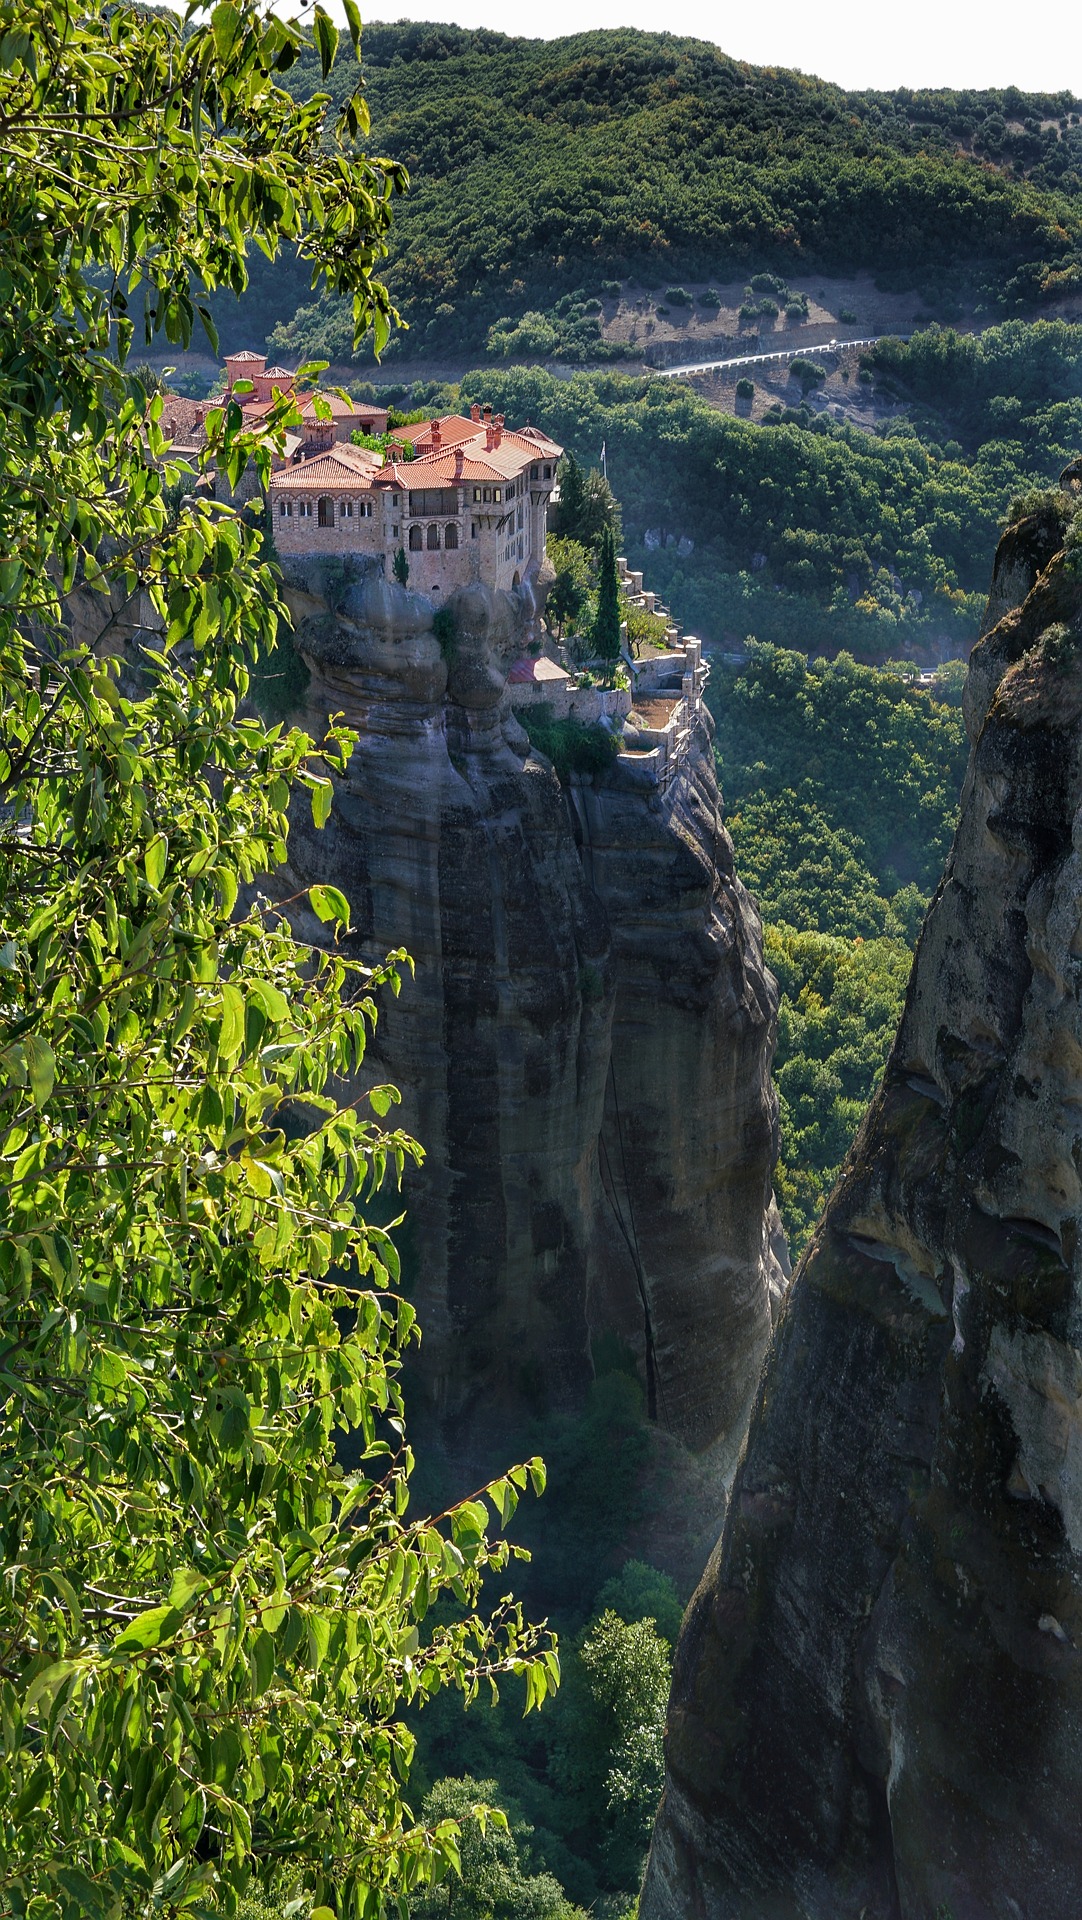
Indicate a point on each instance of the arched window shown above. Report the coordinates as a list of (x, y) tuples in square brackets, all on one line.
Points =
[(326, 510), (450, 536), (433, 539), (416, 541)]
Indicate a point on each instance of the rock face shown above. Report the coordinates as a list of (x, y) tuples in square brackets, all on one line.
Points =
[(585, 1049), (877, 1702)]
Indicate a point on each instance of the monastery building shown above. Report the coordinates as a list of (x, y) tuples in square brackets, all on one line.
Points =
[(471, 505)]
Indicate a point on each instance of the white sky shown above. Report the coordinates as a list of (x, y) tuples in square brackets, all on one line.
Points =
[(858, 43)]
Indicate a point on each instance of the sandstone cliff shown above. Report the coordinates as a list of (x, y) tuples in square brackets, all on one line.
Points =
[(585, 1049), (877, 1702)]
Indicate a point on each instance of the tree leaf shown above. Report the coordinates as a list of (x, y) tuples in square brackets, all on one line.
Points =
[(147, 1631), (322, 793), (154, 860), (40, 1067), (329, 904), (231, 1034), (326, 39)]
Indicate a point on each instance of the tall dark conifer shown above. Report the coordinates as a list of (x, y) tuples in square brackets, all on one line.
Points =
[(607, 620), (568, 515)]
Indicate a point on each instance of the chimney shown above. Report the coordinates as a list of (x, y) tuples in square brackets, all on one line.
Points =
[(459, 460), (436, 436), (490, 436), (486, 413), (498, 427), (475, 411)]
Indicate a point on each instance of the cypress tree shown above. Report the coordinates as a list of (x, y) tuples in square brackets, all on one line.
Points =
[(607, 621), (571, 504)]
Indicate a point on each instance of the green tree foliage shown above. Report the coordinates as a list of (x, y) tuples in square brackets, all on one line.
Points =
[(841, 785), (652, 155), (840, 1006), (806, 373), (606, 634), (492, 1882), (806, 872), (609, 1762), (400, 566), (569, 510), (850, 525), (573, 746), (569, 594), (210, 1632), (885, 760)]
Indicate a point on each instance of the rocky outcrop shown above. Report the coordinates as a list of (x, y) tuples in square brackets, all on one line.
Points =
[(877, 1702), (584, 1049)]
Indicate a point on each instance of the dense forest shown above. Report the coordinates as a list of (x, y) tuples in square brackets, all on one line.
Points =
[(540, 168), (841, 784), (804, 531)]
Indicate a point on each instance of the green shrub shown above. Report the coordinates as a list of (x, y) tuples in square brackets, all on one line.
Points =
[(678, 297), (710, 298), (571, 745), (745, 389)]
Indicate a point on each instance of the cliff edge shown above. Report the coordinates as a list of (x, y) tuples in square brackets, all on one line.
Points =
[(877, 1702), (585, 1048)]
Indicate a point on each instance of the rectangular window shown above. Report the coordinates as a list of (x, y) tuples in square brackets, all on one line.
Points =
[(548, 473), (499, 494), (394, 533), (519, 523), (394, 499), (477, 493), (474, 534)]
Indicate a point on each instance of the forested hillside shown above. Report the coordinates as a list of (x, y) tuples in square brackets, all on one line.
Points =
[(841, 785), (542, 168), (805, 530)]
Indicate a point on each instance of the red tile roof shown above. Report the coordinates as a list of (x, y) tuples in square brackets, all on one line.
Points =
[(341, 469), (539, 672)]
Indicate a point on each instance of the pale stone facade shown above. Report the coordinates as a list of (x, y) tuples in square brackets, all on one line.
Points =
[(472, 506)]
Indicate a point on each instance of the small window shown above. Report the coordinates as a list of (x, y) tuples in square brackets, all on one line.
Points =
[(326, 511), (394, 499), (488, 493), (519, 522), (285, 509), (433, 539), (345, 509), (548, 473), (450, 536), (416, 540), (306, 509), (364, 509), (473, 535), (477, 493), (499, 493), (394, 533), (535, 473), (510, 494)]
